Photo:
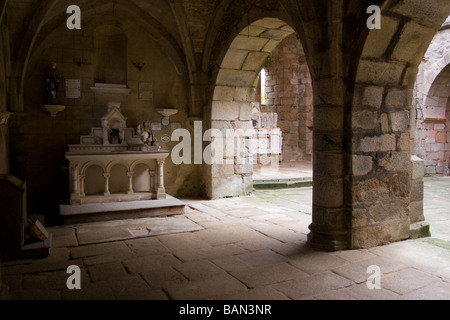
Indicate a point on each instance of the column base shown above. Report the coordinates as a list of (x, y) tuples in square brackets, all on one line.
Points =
[(161, 193), (419, 230), (328, 240)]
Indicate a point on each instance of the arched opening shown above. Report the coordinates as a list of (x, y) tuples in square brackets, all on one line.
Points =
[(141, 178), (118, 182), (93, 183), (261, 87)]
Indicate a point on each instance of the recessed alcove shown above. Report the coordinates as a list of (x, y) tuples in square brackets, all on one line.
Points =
[(111, 55)]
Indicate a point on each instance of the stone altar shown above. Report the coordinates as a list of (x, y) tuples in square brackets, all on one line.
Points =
[(113, 164), (267, 140)]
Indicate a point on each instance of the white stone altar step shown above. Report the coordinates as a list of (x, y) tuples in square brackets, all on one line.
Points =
[(91, 212)]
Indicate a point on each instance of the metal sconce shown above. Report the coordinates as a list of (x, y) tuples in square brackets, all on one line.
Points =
[(80, 61), (139, 65)]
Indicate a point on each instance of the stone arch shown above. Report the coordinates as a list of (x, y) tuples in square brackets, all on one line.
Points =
[(433, 72), (436, 122), (382, 184), (93, 163), (118, 180), (233, 94)]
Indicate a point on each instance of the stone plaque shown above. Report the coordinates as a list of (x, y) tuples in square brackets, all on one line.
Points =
[(156, 127), (73, 88), (165, 138)]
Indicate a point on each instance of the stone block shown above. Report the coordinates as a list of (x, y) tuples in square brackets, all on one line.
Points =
[(255, 61), (388, 210), (249, 43), (400, 121), (334, 190), (331, 164), (399, 98), (395, 161), (416, 211), (361, 165), (328, 118), (420, 230), (244, 94), (386, 142), (380, 234), (373, 96), (379, 40), (365, 120), (224, 93), (234, 59), (426, 10), (370, 190), (418, 168), (227, 77), (228, 187), (222, 110), (408, 45), (380, 73)]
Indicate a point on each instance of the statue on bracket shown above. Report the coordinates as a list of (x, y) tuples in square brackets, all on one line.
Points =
[(52, 85), (145, 130)]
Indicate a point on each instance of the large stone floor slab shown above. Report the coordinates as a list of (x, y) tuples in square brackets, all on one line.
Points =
[(132, 229)]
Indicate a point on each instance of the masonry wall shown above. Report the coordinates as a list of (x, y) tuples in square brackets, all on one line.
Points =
[(289, 94), (39, 142)]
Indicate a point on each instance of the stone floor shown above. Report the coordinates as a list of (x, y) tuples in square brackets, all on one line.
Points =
[(250, 248)]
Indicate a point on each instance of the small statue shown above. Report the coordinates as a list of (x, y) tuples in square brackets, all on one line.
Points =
[(146, 133), (52, 85)]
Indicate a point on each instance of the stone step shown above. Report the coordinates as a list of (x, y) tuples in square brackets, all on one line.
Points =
[(282, 183)]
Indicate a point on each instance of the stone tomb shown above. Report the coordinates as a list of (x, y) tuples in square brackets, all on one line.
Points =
[(113, 171)]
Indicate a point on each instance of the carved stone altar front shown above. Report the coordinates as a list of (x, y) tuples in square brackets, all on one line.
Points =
[(113, 164)]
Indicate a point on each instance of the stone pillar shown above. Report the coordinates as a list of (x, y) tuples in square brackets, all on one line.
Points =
[(4, 143), (106, 176), (419, 227), (161, 191), (329, 227), (82, 178), (152, 180), (130, 182)]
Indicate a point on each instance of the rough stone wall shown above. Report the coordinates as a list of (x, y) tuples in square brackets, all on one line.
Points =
[(383, 99), (289, 94)]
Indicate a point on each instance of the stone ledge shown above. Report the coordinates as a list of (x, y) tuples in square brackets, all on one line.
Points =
[(420, 230)]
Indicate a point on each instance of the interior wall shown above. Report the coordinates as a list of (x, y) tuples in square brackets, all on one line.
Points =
[(39, 142)]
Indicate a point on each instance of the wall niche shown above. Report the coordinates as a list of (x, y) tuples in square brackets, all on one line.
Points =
[(111, 55)]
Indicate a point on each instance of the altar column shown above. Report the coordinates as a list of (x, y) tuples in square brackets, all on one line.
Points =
[(82, 177), (130, 182), (75, 190), (107, 176), (161, 191)]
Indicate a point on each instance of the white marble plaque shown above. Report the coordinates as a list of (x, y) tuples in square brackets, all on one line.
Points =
[(73, 88), (156, 127)]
